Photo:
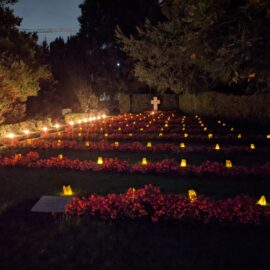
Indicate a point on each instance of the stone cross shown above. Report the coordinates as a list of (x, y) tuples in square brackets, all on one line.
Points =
[(155, 101)]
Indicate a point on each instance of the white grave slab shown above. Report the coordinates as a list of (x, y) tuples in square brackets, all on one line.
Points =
[(155, 102), (51, 204), (66, 111)]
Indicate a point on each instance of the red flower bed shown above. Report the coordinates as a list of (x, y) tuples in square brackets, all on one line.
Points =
[(32, 160), (148, 136), (149, 203), (129, 147)]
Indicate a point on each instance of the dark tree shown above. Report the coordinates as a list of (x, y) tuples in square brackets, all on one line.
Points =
[(92, 62), (202, 45), (21, 65)]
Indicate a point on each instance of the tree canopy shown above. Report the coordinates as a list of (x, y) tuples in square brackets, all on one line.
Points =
[(204, 45), (21, 67), (92, 62)]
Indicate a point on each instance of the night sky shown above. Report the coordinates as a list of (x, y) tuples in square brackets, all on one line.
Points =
[(49, 14)]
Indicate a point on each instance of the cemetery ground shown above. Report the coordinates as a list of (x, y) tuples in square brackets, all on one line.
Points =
[(44, 241)]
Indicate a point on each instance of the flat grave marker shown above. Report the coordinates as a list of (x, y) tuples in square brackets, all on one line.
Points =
[(51, 204)]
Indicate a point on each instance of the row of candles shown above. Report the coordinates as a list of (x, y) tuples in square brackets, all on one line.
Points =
[(57, 126)]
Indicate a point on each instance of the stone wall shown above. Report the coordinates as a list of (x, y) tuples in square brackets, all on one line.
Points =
[(142, 102)]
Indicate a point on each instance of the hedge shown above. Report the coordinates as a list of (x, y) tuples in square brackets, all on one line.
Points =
[(253, 108), (31, 125)]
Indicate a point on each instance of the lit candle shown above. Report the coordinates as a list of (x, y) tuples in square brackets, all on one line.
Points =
[(144, 161), (183, 163)]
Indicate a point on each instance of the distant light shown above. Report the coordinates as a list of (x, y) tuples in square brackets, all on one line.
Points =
[(57, 126), (118, 64), (11, 135), (45, 129), (26, 132)]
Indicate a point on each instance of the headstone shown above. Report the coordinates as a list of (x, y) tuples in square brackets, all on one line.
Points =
[(155, 102), (51, 204), (66, 111)]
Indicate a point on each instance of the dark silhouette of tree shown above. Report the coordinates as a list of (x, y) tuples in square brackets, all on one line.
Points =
[(202, 45)]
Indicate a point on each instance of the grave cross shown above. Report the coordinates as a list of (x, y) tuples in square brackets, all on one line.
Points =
[(155, 101)]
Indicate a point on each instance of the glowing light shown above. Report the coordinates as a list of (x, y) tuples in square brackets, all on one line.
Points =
[(160, 134), (11, 135), (45, 129), (262, 201), (185, 135), (149, 145), (116, 144), (106, 134), (67, 190), (71, 123), (252, 146), (60, 157), (183, 163), (87, 144), (205, 129), (224, 125), (192, 195), (119, 129), (217, 147), (182, 145), (232, 129), (144, 161), (228, 164), (268, 136), (57, 126), (130, 134), (26, 132), (210, 136), (79, 122), (239, 136), (100, 161)]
